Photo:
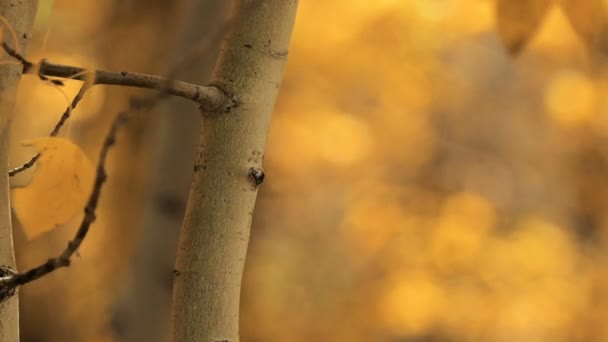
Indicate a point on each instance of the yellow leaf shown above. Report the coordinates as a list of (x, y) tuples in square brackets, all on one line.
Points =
[(59, 188), (518, 20), (589, 19)]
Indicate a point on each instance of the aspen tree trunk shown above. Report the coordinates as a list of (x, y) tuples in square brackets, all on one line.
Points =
[(172, 143), (20, 15), (215, 233)]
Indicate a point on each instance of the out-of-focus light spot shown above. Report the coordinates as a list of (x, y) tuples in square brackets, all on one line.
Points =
[(471, 208), (521, 319), (535, 251), (352, 16), (413, 304), (544, 248), (291, 143), (407, 89), (370, 222), (470, 16), (387, 219), (364, 6), (570, 98), (404, 138), (323, 135), (344, 139), (470, 309), (536, 314), (461, 231), (434, 10), (455, 246)]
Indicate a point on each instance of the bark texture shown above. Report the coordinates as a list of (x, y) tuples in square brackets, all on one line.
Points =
[(215, 233), (20, 16), (145, 303)]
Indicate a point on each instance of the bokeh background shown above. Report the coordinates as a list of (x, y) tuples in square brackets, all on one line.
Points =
[(429, 179)]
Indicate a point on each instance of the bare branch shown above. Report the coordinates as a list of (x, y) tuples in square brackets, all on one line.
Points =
[(210, 98), (68, 111), (10, 281), (64, 117), (28, 164), (16, 55)]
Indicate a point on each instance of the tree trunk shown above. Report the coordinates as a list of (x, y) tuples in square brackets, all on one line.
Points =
[(145, 303), (20, 16), (215, 233)]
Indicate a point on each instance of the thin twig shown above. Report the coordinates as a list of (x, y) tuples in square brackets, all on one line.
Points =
[(64, 117), (63, 260), (28, 164), (11, 280), (16, 55), (210, 98), (68, 111)]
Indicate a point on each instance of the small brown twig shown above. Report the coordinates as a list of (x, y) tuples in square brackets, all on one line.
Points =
[(68, 111), (9, 281), (27, 65), (210, 98), (64, 117)]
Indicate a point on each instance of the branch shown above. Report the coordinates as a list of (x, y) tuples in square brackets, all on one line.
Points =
[(16, 21), (64, 117), (210, 98), (10, 281)]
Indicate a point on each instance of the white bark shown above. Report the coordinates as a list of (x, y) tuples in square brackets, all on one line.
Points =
[(172, 143), (20, 16), (215, 233)]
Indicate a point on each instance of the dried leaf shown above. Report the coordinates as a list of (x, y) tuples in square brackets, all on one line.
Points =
[(59, 188), (589, 19), (518, 20)]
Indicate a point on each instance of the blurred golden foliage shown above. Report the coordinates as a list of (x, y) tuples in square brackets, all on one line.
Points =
[(428, 186), (518, 20), (570, 98)]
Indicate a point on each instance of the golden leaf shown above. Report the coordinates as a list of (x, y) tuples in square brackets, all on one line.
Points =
[(518, 20), (589, 19), (59, 188)]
